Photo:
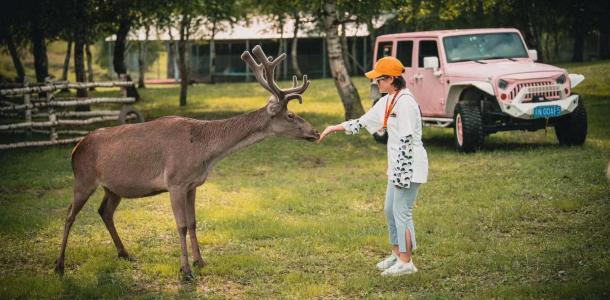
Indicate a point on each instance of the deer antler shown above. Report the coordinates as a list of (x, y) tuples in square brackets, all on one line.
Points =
[(265, 75)]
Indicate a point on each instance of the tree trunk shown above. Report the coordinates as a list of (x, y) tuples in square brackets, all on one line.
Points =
[(345, 50), (79, 69), (89, 65), (345, 87), (293, 50), (280, 48), (354, 57), (182, 63), (118, 59), (170, 54), (556, 45), (547, 46), (604, 43), (371, 39), (212, 65), (12, 48), (579, 47), (538, 40), (64, 73), (39, 50), (142, 50)]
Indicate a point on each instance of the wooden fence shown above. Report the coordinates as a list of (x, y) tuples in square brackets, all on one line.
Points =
[(38, 109)]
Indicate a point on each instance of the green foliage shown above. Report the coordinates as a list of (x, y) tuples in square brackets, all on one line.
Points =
[(524, 218)]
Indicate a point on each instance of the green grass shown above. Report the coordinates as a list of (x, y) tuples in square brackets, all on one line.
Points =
[(524, 218)]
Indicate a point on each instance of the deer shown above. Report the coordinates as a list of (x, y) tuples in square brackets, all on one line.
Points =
[(175, 154)]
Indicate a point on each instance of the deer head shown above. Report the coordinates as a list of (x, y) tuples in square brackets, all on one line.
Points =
[(283, 122)]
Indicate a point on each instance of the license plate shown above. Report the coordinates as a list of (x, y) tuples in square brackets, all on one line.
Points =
[(547, 111)]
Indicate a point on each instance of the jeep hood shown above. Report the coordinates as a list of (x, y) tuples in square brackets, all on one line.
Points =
[(522, 69)]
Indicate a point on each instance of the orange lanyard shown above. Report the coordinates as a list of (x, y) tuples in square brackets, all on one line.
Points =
[(388, 109)]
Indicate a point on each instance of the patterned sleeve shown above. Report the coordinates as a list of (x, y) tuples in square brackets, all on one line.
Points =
[(403, 169), (372, 120), (353, 126)]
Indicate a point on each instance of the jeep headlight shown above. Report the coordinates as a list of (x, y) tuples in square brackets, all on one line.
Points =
[(502, 84), (561, 79)]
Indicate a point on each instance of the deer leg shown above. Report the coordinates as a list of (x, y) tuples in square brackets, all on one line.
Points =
[(106, 211), (178, 198), (191, 225), (81, 195)]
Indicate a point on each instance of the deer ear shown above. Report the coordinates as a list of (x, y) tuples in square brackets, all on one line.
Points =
[(274, 106)]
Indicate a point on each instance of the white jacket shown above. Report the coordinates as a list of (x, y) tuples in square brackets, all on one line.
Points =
[(407, 158)]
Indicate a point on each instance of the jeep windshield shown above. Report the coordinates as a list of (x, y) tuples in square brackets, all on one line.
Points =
[(476, 47)]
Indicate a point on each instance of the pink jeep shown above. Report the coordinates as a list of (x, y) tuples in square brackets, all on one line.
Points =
[(482, 81)]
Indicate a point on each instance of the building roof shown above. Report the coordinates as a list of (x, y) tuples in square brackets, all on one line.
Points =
[(254, 28)]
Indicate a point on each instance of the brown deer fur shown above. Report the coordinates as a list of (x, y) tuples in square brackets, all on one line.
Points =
[(175, 155)]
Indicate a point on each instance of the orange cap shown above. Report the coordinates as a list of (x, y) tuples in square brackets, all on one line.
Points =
[(389, 66)]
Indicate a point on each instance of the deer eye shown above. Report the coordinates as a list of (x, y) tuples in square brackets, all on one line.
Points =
[(290, 116)]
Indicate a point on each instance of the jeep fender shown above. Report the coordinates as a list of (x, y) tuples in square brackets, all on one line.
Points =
[(455, 90), (575, 79)]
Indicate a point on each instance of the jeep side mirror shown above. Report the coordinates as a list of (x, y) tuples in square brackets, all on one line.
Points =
[(431, 62), (533, 54)]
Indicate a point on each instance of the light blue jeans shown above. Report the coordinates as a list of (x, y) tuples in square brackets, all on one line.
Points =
[(398, 208)]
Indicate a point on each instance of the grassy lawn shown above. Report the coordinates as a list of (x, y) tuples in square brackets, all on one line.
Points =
[(523, 218)]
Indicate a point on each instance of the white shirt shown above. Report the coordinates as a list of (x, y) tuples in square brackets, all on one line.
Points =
[(407, 158)]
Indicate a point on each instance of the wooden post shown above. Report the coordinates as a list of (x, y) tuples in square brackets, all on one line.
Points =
[(123, 77), (52, 117), (28, 109)]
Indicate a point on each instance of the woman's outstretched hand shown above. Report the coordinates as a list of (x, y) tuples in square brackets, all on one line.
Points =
[(330, 129)]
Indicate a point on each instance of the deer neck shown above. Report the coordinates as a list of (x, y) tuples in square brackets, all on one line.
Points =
[(240, 132)]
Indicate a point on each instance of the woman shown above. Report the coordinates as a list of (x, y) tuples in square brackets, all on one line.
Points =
[(398, 114)]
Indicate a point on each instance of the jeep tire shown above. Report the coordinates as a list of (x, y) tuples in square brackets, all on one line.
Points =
[(571, 129), (467, 127)]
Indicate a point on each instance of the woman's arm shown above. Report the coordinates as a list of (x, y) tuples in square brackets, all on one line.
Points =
[(372, 120), (330, 129)]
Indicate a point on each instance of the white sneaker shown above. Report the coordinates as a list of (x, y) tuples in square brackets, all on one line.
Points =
[(400, 268), (387, 262)]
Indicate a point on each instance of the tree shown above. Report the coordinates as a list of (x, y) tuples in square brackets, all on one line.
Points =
[(188, 16), (345, 87), (126, 13), (39, 30), (216, 13), (12, 36)]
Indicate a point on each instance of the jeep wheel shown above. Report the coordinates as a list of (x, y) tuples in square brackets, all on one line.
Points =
[(468, 128), (571, 129)]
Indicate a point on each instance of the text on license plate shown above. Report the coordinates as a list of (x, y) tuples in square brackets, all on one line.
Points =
[(547, 111)]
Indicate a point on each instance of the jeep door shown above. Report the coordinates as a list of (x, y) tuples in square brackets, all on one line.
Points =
[(428, 87)]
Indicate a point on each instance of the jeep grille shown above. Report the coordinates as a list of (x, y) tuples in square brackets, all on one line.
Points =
[(548, 89)]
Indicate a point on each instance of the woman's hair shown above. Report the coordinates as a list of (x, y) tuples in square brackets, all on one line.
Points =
[(399, 83)]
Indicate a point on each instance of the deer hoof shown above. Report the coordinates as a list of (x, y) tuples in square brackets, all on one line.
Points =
[(187, 276), (59, 270), (126, 256), (200, 263)]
